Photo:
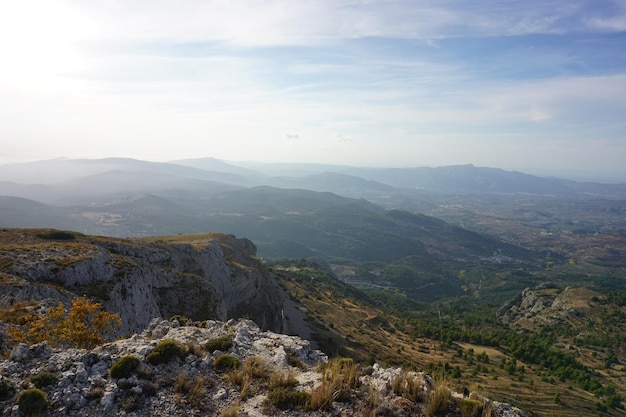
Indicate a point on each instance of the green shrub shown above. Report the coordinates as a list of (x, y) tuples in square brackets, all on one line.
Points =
[(43, 379), (226, 361), (165, 351), (57, 235), (219, 343), (124, 367), (182, 320), (145, 373), (6, 389), (285, 398), (32, 402)]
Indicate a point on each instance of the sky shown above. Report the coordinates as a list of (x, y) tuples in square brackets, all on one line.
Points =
[(536, 86)]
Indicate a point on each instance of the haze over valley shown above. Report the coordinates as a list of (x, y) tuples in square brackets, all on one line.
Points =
[(432, 193)]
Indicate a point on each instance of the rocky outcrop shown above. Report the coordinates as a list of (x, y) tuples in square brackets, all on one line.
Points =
[(82, 383), (209, 276), (545, 305)]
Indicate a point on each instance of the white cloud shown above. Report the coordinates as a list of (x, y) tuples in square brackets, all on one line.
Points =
[(166, 80), (342, 138), (315, 22)]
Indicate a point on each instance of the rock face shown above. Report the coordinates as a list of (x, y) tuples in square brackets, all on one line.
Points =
[(209, 276), (545, 305), (83, 383)]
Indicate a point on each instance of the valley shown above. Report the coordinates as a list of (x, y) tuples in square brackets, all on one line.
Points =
[(500, 282)]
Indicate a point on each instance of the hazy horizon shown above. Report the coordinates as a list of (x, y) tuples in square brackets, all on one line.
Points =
[(537, 87), (575, 175)]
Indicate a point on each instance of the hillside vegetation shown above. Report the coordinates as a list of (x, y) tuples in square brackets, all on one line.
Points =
[(462, 340)]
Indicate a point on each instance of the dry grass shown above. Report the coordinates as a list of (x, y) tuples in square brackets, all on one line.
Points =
[(339, 378), (439, 399), (194, 349), (471, 408), (191, 391), (232, 411), (197, 240), (249, 377), (283, 379), (255, 367), (407, 385), (17, 313)]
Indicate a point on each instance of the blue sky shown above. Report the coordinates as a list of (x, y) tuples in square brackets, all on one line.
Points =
[(537, 86)]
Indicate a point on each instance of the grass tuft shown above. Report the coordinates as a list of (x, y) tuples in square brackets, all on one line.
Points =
[(439, 399)]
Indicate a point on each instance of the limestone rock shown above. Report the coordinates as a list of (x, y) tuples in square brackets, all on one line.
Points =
[(193, 386), (216, 278)]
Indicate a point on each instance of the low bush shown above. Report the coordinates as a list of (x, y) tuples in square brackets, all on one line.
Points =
[(57, 235), (43, 379), (182, 320), (94, 394), (32, 402), (165, 351), (226, 361), (285, 398), (131, 402), (124, 367), (219, 343), (6, 389)]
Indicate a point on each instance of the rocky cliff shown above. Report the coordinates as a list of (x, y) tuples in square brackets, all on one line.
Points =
[(204, 276), (547, 306), (218, 369)]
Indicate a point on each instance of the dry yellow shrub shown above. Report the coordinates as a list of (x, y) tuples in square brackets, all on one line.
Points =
[(86, 325)]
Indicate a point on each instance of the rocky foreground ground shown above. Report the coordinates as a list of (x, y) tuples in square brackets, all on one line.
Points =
[(218, 369)]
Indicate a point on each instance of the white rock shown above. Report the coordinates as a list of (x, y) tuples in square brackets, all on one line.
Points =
[(220, 395), (20, 353), (107, 400)]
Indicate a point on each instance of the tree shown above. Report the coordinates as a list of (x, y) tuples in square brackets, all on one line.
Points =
[(86, 325)]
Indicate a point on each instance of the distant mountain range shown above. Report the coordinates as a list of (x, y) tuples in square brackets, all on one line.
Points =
[(348, 215), (14, 178)]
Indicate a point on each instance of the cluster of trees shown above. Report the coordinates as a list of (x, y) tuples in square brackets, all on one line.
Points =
[(466, 319), (480, 327)]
